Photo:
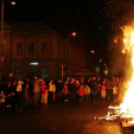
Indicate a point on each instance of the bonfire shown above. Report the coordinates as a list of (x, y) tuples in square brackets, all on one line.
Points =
[(125, 111)]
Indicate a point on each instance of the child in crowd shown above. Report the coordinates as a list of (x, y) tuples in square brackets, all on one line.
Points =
[(65, 93), (27, 95), (87, 92), (2, 101), (81, 92), (44, 96)]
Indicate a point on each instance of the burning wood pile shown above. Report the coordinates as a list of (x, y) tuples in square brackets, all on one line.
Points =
[(116, 114), (125, 111)]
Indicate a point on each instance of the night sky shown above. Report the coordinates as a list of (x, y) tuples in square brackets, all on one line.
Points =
[(95, 21)]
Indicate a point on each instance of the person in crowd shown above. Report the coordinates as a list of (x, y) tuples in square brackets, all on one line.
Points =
[(103, 89), (13, 94), (36, 90), (20, 95), (2, 101), (98, 90), (82, 81), (109, 90), (44, 92), (10, 78), (67, 80), (59, 87), (27, 95), (115, 87), (81, 92), (77, 85), (8, 93), (89, 82), (87, 92), (31, 89), (72, 90), (93, 83), (52, 91), (65, 92)]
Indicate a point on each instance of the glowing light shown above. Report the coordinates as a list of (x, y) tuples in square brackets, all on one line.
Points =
[(73, 34), (13, 3), (34, 63), (123, 51), (92, 51)]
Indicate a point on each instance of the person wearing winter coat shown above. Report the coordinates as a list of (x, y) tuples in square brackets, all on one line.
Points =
[(81, 92), (65, 93), (87, 92), (20, 95), (52, 91), (59, 87), (36, 90), (72, 90), (44, 92)]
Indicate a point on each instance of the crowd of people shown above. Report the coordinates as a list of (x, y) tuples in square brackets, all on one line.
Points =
[(15, 94)]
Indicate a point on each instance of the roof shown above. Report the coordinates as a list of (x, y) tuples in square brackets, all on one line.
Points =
[(30, 27)]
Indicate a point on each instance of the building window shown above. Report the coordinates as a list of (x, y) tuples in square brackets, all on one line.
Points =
[(44, 48), (3, 49), (18, 73), (44, 72), (31, 72), (31, 48), (19, 48)]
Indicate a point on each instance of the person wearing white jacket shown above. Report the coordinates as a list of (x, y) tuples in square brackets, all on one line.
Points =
[(52, 90)]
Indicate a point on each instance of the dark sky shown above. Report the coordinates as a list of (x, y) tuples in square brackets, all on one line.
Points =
[(93, 20)]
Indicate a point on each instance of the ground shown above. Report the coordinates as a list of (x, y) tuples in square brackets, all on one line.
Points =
[(69, 118)]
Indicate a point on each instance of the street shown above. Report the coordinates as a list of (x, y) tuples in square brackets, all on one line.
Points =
[(69, 118)]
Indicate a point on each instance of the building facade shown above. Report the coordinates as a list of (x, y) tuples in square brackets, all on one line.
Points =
[(30, 49)]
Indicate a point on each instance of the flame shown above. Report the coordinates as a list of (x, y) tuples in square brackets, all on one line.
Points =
[(127, 106)]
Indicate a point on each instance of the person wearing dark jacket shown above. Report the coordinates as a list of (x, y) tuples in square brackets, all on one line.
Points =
[(27, 95), (59, 87), (72, 90)]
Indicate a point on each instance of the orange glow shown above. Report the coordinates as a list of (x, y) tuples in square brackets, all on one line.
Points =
[(73, 34), (127, 106)]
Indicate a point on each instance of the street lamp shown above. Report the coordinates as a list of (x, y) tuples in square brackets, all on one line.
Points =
[(73, 34), (2, 20), (13, 3), (92, 51)]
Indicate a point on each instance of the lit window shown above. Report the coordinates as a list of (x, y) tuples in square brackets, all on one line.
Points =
[(43, 72), (31, 48), (18, 73), (19, 48), (44, 48)]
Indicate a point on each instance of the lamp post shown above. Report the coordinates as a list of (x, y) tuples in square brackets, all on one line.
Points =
[(73, 34), (2, 21)]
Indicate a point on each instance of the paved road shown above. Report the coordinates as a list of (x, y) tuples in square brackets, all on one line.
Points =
[(69, 118)]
